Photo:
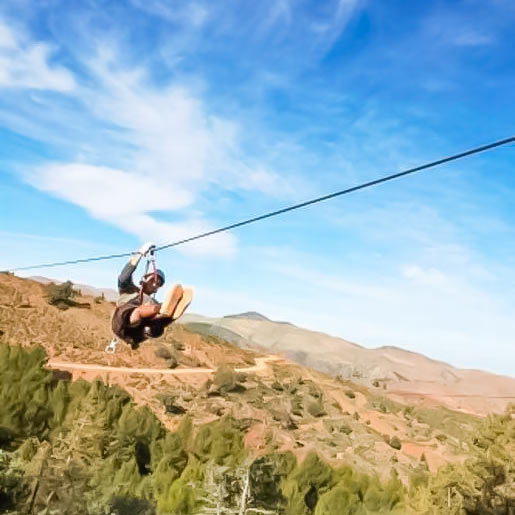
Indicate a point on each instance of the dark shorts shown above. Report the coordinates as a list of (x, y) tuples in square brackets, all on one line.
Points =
[(135, 335)]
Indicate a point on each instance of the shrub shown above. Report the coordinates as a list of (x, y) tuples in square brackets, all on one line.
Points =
[(226, 380), (350, 394), (297, 407), (163, 352), (61, 295), (225, 377), (277, 386), (172, 362), (395, 443), (316, 408), (345, 429), (122, 505)]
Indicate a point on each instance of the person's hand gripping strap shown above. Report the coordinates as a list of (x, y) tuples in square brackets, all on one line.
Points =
[(146, 248)]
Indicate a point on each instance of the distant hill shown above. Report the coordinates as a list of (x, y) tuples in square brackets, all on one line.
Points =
[(249, 315), (399, 373)]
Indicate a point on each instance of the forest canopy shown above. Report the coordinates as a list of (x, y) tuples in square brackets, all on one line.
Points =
[(84, 448)]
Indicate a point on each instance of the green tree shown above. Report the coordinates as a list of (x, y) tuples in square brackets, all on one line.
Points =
[(304, 485)]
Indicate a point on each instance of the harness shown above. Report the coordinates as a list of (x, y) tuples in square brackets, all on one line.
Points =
[(151, 263)]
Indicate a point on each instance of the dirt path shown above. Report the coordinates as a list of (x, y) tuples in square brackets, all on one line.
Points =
[(404, 393), (261, 364)]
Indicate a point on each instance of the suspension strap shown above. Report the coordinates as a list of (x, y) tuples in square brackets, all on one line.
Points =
[(151, 263)]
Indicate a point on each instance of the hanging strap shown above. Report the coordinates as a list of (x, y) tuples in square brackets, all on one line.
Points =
[(151, 262)]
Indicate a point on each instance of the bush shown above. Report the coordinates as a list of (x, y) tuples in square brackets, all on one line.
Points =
[(61, 295), (134, 506), (100, 299), (225, 377), (296, 406), (350, 394), (172, 362), (226, 380), (395, 443), (163, 352), (316, 408)]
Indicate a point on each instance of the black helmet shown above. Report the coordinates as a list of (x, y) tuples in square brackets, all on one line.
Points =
[(159, 274)]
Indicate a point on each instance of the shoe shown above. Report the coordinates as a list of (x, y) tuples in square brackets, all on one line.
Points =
[(173, 296), (187, 297)]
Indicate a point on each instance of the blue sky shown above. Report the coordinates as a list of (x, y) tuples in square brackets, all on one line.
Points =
[(122, 122)]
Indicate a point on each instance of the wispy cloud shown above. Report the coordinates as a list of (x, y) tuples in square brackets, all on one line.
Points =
[(169, 149), (194, 14), (472, 38), (27, 64)]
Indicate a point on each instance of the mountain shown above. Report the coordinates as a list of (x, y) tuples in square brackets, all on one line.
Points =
[(398, 373), (249, 315)]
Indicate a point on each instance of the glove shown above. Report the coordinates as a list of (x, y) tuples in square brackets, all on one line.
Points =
[(146, 248)]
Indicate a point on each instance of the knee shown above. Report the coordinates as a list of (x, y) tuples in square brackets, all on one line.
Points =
[(135, 317)]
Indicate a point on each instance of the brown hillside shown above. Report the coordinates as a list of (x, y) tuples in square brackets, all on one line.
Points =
[(284, 405), (400, 374)]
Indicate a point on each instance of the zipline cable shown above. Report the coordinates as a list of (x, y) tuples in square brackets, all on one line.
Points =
[(375, 182)]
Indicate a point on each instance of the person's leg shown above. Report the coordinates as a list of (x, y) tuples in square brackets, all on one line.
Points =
[(172, 298), (121, 325), (142, 312), (182, 305)]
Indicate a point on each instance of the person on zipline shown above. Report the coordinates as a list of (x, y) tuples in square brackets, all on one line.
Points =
[(138, 315)]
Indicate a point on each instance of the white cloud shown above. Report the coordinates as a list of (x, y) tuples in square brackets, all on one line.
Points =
[(148, 228), (125, 199), (167, 148), (7, 40), (106, 192), (27, 65), (427, 276)]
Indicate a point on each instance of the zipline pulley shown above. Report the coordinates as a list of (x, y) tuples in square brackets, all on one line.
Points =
[(111, 348)]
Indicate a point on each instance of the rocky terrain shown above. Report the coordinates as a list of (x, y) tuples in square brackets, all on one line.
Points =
[(196, 370), (400, 374), (208, 418)]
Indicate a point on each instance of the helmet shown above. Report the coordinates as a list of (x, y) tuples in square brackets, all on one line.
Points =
[(159, 274)]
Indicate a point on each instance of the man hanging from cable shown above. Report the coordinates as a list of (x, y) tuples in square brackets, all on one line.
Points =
[(138, 315)]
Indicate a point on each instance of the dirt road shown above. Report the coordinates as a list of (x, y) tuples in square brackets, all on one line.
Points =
[(261, 364)]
